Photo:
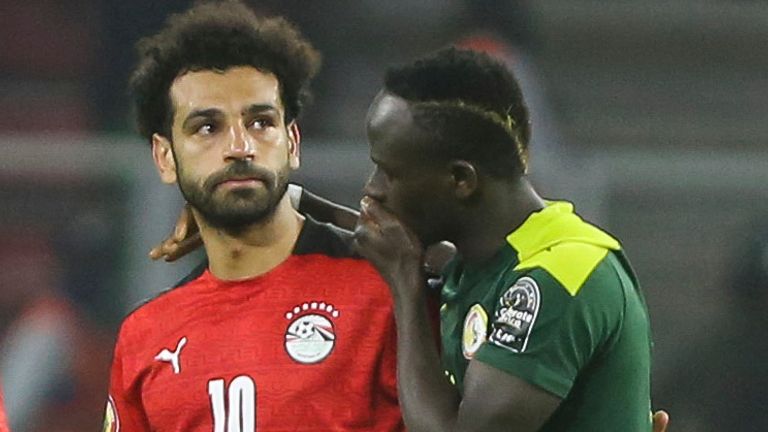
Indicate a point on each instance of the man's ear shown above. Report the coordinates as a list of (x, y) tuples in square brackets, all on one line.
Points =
[(294, 145), (162, 153), (464, 178)]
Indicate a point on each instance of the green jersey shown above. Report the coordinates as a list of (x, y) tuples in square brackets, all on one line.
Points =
[(560, 308)]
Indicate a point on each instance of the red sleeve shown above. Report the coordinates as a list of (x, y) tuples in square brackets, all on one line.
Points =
[(3, 418), (124, 410)]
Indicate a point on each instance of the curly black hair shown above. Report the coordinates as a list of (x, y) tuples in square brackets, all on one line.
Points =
[(471, 104), (217, 35)]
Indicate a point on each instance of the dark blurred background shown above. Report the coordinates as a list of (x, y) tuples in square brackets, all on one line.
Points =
[(650, 115)]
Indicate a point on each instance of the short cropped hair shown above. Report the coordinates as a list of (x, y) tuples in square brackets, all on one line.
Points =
[(471, 105), (218, 35)]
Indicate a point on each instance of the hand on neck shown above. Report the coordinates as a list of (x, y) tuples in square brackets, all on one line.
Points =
[(256, 249)]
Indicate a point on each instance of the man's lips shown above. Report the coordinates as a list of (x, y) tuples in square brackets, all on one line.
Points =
[(240, 182)]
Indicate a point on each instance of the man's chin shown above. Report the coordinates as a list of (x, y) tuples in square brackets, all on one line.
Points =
[(238, 221), (238, 209)]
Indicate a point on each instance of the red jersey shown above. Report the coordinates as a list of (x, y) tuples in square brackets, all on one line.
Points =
[(3, 418), (308, 346)]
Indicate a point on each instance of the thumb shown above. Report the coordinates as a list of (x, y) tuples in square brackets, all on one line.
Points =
[(660, 421), (183, 224)]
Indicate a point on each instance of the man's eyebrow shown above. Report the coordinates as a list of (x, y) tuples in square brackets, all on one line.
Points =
[(259, 108), (210, 112)]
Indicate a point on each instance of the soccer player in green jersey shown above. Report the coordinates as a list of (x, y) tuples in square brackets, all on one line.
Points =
[(543, 324)]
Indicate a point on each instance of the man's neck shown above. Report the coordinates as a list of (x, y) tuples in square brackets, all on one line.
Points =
[(257, 249), (504, 210)]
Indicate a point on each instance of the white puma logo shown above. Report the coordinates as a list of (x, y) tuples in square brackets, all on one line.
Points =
[(167, 356)]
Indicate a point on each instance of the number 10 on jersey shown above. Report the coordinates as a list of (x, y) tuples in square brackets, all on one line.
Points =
[(239, 414)]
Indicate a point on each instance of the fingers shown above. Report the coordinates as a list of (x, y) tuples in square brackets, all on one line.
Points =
[(367, 231), (367, 223), (156, 252), (170, 250), (162, 249), (370, 209), (375, 220), (378, 220), (185, 224), (166, 249), (184, 247), (184, 239), (380, 232), (660, 421)]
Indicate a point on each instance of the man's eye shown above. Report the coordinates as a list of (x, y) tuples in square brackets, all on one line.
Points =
[(206, 129), (261, 123)]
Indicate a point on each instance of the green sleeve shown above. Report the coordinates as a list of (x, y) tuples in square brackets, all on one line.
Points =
[(541, 333)]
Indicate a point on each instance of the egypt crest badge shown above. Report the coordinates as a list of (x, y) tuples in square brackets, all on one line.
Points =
[(515, 315), (475, 330), (310, 335)]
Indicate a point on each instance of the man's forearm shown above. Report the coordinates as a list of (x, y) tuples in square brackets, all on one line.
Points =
[(428, 401), (326, 211)]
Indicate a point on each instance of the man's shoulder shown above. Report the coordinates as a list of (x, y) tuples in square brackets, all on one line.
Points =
[(572, 265), (325, 252), (324, 239), (328, 249), (603, 292), (564, 245), (326, 245), (164, 305)]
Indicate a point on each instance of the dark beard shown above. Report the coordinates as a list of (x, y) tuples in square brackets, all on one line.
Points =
[(239, 208)]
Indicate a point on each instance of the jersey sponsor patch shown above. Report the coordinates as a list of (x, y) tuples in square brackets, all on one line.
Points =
[(111, 421), (310, 336), (475, 330), (515, 315)]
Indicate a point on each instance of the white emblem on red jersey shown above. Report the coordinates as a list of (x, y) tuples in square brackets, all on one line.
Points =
[(173, 357), (310, 336)]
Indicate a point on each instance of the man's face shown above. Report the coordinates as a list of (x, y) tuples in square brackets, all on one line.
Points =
[(403, 180), (231, 151)]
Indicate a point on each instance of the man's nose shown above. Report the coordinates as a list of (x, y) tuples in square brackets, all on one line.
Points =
[(373, 188), (241, 145)]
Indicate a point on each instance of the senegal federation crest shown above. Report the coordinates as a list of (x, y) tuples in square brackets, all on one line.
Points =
[(475, 330), (111, 422), (310, 336)]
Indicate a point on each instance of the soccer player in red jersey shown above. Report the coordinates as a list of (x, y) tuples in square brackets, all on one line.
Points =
[(283, 329)]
